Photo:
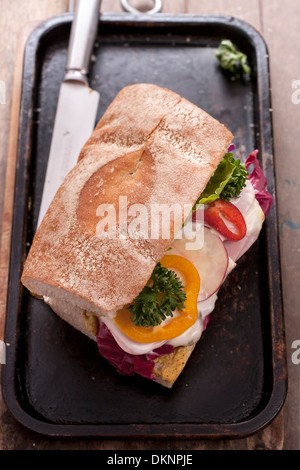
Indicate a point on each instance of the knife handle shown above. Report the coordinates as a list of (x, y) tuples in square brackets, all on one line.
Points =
[(83, 34)]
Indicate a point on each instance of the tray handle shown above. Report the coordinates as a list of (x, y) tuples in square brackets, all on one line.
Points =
[(156, 9)]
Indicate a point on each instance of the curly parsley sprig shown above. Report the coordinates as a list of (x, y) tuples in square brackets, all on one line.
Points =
[(159, 298)]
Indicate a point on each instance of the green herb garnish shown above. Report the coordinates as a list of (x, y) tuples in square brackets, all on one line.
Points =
[(159, 298), (236, 182), (227, 181), (231, 59), (219, 180)]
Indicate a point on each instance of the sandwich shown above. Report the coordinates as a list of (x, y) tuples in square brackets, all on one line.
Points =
[(145, 229)]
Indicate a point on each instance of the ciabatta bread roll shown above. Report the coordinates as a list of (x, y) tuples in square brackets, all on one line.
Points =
[(150, 147)]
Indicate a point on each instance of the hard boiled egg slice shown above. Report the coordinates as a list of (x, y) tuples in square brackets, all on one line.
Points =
[(207, 253)]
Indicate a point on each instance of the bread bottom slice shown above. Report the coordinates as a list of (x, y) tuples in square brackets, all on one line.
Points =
[(167, 368)]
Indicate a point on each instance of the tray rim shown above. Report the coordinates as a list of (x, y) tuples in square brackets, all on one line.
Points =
[(241, 429)]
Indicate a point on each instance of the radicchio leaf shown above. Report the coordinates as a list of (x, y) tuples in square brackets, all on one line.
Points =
[(259, 182), (123, 362)]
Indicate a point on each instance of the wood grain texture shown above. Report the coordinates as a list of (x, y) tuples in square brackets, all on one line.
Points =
[(247, 11), (284, 50), (13, 16), (17, 23), (267, 16)]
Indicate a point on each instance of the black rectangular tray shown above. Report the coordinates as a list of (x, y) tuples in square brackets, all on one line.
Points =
[(54, 381)]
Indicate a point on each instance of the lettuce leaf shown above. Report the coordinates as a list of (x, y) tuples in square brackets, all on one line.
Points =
[(227, 181), (231, 59), (237, 182), (218, 181)]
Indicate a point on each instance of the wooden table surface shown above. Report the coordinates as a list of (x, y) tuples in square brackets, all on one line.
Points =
[(279, 24)]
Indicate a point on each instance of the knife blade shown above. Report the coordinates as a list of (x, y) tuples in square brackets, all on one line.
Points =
[(77, 103)]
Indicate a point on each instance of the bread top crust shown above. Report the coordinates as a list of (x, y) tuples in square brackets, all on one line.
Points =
[(151, 147)]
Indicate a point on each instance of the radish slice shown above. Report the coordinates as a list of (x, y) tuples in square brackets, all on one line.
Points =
[(210, 259)]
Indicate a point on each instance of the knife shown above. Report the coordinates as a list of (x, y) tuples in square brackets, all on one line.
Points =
[(77, 103)]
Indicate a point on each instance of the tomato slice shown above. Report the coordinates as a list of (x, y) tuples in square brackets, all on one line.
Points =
[(220, 211), (177, 325)]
